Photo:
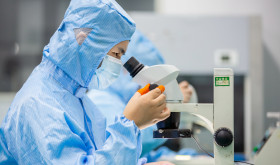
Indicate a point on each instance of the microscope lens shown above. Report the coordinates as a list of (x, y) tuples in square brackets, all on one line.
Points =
[(133, 66)]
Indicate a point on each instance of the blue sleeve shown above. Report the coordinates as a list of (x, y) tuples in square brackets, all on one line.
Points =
[(122, 145), (52, 137), (5, 157)]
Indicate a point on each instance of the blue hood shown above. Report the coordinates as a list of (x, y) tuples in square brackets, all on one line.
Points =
[(109, 24)]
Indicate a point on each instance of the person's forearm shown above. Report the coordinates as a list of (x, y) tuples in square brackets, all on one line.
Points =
[(122, 145)]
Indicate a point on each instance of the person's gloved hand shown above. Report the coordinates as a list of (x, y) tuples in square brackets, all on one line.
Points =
[(187, 91), (147, 109), (160, 163)]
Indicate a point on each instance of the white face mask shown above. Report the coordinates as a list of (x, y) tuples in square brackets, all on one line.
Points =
[(106, 74)]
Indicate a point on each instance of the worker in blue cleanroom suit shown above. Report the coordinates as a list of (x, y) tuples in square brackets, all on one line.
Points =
[(123, 88), (52, 121)]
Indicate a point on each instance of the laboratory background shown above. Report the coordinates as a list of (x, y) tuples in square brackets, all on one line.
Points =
[(194, 35)]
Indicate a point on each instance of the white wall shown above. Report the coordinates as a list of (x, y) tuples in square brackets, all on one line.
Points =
[(268, 9)]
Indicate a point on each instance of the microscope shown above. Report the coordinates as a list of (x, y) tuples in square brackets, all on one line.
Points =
[(218, 116)]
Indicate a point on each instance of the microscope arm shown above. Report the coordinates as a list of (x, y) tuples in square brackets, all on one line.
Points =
[(205, 110), (202, 111)]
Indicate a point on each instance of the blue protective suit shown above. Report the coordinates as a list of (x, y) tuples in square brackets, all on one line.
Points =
[(113, 100), (51, 120)]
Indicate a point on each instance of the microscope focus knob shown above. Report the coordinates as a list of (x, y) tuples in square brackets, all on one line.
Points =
[(223, 137)]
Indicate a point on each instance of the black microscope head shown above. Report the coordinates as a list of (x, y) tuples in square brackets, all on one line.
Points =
[(133, 66)]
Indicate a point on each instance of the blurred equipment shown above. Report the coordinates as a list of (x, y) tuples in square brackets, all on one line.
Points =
[(218, 116), (268, 149), (6, 99)]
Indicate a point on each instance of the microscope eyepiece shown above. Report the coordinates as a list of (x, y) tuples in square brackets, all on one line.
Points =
[(133, 66)]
